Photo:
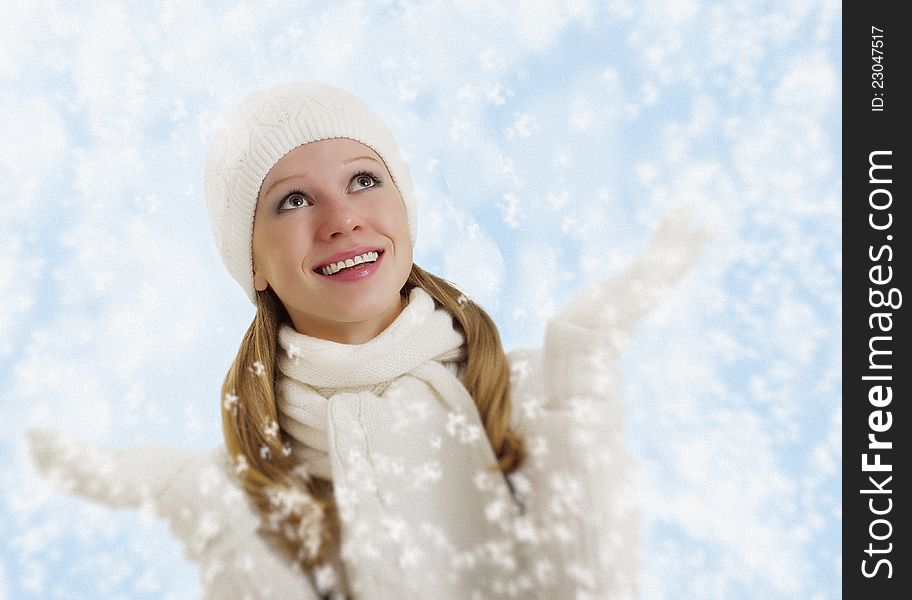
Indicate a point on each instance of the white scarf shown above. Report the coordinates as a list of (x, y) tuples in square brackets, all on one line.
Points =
[(414, 477), (418, 343)]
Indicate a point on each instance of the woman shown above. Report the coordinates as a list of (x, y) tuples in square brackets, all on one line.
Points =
[(385, 444)]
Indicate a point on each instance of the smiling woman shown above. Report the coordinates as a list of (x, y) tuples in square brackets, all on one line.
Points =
[(385, 444), (321, 211)]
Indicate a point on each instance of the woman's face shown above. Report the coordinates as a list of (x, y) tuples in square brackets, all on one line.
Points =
[(325, 203)]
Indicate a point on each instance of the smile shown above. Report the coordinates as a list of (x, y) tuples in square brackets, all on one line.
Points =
[(333, 268)]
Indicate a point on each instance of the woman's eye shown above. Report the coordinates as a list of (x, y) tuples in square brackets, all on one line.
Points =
[(365, 180), (292, 201)]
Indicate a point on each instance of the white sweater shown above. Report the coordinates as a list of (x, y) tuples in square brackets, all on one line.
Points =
[(423, 511), (569, 530)]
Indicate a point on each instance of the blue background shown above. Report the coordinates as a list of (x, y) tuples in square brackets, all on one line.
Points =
[(546, 141)]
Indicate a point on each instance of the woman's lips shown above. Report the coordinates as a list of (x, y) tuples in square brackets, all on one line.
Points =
[(356, 272), (351, 253)]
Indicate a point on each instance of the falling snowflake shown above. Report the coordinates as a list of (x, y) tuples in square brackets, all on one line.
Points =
[(424, 473), (411, 556), (520, 369), (458, 426), (258, 369), (244, 562), (240, 464), (524, 530), (325, 578), (531, 406), (293, 351), (484, 480), (520, 483), (537, 446), (300, 471), (495, 510), (208, 525), (271, 428), (230, 402)]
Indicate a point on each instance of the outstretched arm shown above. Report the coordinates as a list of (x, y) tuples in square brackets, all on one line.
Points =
[(118, 478), (576, 482), (195, 493)]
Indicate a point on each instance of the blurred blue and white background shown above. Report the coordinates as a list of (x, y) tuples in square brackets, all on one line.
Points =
[(546, 139)]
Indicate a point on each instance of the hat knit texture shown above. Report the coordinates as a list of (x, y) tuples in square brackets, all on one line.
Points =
[(264, 128)]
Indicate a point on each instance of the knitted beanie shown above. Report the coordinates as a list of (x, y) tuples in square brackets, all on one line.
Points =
[(266, 127)]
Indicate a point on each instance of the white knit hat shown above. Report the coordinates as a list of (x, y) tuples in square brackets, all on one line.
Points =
[(266, 127)]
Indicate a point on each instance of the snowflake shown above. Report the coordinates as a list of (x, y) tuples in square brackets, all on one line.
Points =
[(582, 574), (568, 493), (395, 527), (207, 527), (271, 428), (520, 369), (240, 464), (422, 474), (293, 351), (501, 554), (524, 530), (265, 453), (538, 446), (455, 421), (411, 556), (521, 484), (458, 426), (230, 402), (301, 472), (416, 319), (464, 561), (231, 496), (325, 578), (244, 562), (563, 533), (258, 369), (407, 412), (287, 501), (209, 480), (484, 481), (544, 571), (387, 465), (495, 510), (532, 407), (437, 536)]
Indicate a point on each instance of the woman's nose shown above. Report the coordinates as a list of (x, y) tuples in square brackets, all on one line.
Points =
[(338, 218)]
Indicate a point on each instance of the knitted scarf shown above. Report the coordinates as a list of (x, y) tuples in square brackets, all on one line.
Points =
[(419, 342), (414, 476)]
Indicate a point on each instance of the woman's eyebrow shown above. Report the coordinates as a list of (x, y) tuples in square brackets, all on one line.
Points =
[(351, 160), (344, 162)]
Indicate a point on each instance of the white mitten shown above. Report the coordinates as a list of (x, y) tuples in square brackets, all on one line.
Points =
[(618, 303), (584, 342), (195, 493)]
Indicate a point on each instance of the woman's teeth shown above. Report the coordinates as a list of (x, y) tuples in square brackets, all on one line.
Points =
[(367, 257)]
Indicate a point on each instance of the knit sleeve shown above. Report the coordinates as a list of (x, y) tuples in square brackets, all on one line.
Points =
[(577, 532), (195, 493)]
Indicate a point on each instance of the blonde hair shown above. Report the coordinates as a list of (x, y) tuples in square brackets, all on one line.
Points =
[(286, 498)]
